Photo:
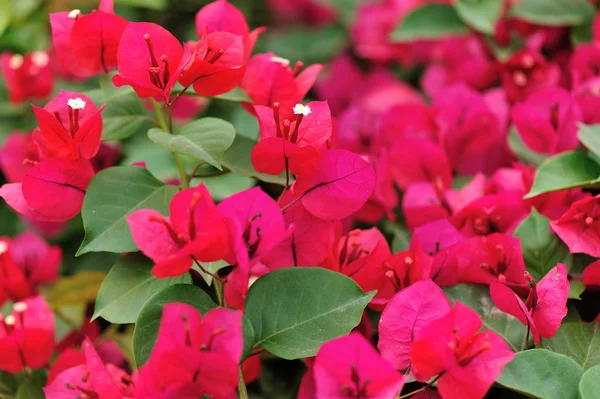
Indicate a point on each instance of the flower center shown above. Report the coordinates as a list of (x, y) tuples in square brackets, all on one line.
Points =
[(159, 72)]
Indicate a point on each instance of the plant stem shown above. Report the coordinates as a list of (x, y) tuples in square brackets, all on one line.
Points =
[(526, 341), (423, 388), (242, 384), (287, 182), (214, 174)]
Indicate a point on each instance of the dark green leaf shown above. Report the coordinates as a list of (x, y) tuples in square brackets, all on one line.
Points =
[(432, 21), (542, 249), (151, 4), (112, 195), (554, 12), (206, 139), (480, 14), (237, 159), (517, 146), (30, 391), (7, 382), (580, 341), (566, 170), (249, 339), (542, 374), (477, 297), (146, 328), (589, 136), (128, 286), (582, 33), (589, 385), (5, 15), (295, 310)]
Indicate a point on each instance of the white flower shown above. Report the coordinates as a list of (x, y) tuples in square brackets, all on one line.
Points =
[(300, 109), (74, 13), (76, 103), (280, 60), (40, 58), (16, 61)]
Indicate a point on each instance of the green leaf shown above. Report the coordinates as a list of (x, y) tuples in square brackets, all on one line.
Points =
[(477, 297), (73, 290), (30, 391), (542, 374), (236, 95), (146, 328), (582, 33), (5, 15), (542, 249), (295, 310), (554, 12), (128, 286), (112, 195), (206, 139), (589, 135), (518, 147), (580, 341), (69, 318), (159, 5), (7, 382), (480, 14), (432, 21), (566, 170), (589, 385), (576, 288), (237, 159)]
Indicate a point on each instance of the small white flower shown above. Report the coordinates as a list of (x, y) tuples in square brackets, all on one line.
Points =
[(20, 307), (76, 103), (3, 247), (10, 320), (281, 60), (16, 61), (300, 109), (74, 13), (40, 58)]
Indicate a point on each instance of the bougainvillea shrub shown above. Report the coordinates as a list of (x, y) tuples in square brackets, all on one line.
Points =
[(312, 199)]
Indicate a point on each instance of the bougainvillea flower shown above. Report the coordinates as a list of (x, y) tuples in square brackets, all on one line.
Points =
[(545, 306), (26, 335), (86, 45), (498, 213), (52, 190), (404, 318), (579, 227), (339, 186), (483, 260), (194, 231), (309, 12), (584, 63), (70, 127), (13, 282), (587, 96), (193, 353), (27, 76), (467, 362), (350, 367), (423, 203), (270, 79), (547, 121), (384, 199), (291, 144), (526, 72), (17, 148), (150, 60), (435, 236), (410, 121), (93, 379), (591, 276)]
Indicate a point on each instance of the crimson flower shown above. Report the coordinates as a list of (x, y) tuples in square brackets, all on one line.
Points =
[(27, 76), (526, 72), (579, 227), (467, 362), (591, 276), (291, 144), (16, 148), (86, 45), (545, 306), (26, 335)]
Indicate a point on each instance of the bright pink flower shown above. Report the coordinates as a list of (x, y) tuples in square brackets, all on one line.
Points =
[(86, 45), (591, 276), (291, 144), (93, 379), (193, 354), (585, 63), (350, 367), (545, 306), (309, 12), (342, 68), (435, 236), (269, 79), (547, 121), (38, 261), (405, 317), (70, 127), (13, 282), (384, 199), (587, 95), (526, 72), (17, 148), (26, 336), (150, 60), (579, 227), (409, 121), (468, 362), (27, 76), (339, 186), (194, 231)]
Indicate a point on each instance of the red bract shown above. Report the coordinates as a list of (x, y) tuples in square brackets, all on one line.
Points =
[(93, 379), (70, 127), (294, 144), (311, 12), (26, 336), (350, 367), (591, 276), (547, 121), (341, 183), (150, 60), (269, 79), (384, 199), (467, 362), (419, 160), (545, 306), (405, 317), (193, 354), (579, 227), (86, 45), (435, 236), (410, 121), (27, 77), (194, 231), (13, 282), (526, 72), (17, 148)]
